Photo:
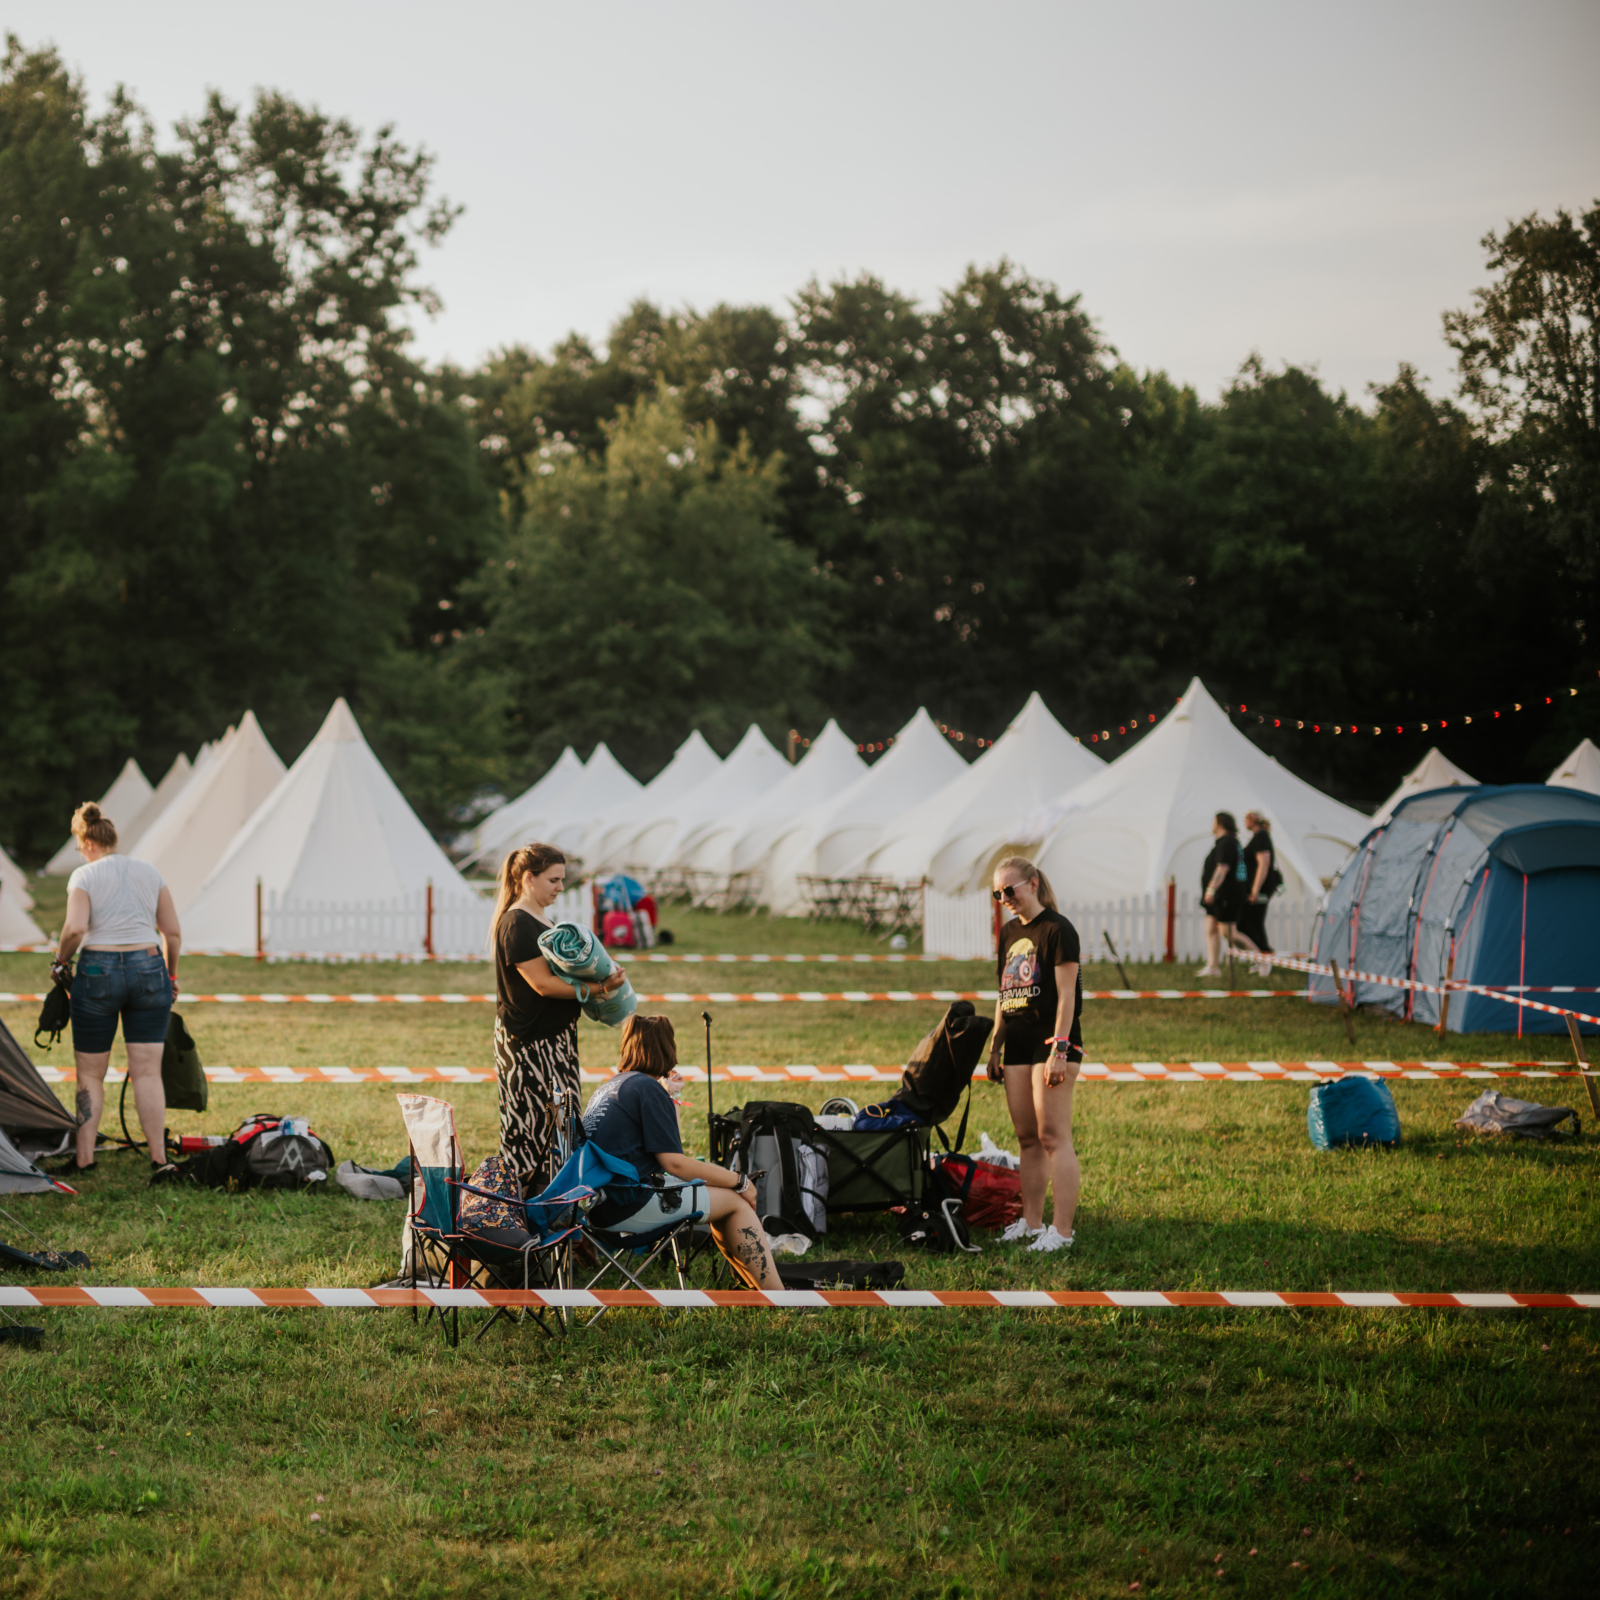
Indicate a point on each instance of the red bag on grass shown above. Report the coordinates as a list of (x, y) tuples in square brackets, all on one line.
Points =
[(990, 1196)]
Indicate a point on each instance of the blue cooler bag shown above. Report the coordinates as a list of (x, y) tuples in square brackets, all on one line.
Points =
[(1352, 1111)]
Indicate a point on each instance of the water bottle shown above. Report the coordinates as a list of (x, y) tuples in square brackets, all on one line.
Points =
[(294, 1125), (192, 1143)]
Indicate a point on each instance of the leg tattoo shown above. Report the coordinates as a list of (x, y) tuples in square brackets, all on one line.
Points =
[(84, 1105)]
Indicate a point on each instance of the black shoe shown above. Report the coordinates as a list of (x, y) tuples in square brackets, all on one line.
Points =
[(167, 1172)]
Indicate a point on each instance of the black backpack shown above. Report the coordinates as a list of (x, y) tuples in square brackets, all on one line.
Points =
[(791, 1172), (258, 1154), (941, 1068), (842, 1274), (55, 1014)]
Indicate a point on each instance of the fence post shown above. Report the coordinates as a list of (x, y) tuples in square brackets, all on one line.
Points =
[(261, 953), (427, 926), (1444, 999), (1172, 919)]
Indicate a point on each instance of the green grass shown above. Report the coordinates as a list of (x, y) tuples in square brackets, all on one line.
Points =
[(843, 1453)]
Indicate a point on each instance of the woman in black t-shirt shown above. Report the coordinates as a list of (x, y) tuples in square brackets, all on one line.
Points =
[(1221, 892), (1261, 881), (1037, 1047), (536, 1017)]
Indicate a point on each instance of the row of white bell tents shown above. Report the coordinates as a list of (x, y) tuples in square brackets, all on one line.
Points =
[(14, 882), (334, 830), (1149, 815), (609, 834), (1580, 770), (125, 799), (511, 823)]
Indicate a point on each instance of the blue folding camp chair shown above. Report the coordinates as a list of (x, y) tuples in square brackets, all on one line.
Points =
[(441, 1251)]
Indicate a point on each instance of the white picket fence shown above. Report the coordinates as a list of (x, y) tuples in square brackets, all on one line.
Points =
[(454, 926), (962, 926)]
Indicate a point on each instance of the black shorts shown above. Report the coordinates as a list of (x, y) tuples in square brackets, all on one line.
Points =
[(1025, 1049), (1252, 924), (1225, 906)]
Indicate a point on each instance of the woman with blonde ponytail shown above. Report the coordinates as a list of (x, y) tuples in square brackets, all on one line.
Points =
[(1037, 1047), (536, 1017)]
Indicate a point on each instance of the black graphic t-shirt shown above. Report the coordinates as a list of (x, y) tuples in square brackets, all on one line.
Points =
[(1261, 845), (525, 1013), (1030, 952), (1224, 853)]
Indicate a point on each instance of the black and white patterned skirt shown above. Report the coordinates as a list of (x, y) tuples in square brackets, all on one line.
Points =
[(539, 1091)]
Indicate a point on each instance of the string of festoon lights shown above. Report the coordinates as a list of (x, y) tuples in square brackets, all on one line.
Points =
[(1144, 720)]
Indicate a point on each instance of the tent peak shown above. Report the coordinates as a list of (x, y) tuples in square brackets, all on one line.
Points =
[(338, 727)]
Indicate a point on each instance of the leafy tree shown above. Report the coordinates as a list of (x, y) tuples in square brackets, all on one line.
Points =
[(648, 591)]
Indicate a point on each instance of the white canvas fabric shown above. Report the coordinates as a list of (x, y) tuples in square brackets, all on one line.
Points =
[(188, 839), (1148, 816), (752, 770), (335, 831), (517, 820), (1581, 770), (122, 802), (16, 926), (828, 840), (14, 882), (953, 838), (742, 840), (168, 790), (605, 782), (1433, 771), (608, 840)]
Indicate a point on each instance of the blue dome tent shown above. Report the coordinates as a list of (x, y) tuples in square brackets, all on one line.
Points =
[(1505, 879)]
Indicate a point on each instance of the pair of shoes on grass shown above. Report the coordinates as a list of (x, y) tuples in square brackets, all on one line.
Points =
[(1045, 1239)]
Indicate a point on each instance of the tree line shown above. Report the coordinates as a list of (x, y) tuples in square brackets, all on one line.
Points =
[(226, 482)]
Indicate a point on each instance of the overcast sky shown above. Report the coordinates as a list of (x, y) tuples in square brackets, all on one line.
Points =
[(1310, 181)]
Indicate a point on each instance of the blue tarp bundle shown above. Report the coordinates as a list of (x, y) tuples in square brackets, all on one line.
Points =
[(1506, 879), (1352, 1111), (573, 953)]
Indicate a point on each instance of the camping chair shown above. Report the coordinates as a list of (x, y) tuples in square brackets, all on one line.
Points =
[(448, 1255), (564, 1207)]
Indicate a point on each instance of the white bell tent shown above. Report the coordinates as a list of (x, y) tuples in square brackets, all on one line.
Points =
[(122, 802), (1148, 816), (829, 839), (608, 840), (605, 781), (15, 882), (188, 839), (335, 832), (168, 790), (741, 840), (506, 825), (954, 836), (1433, 771), (751, 769), (1581, 770)]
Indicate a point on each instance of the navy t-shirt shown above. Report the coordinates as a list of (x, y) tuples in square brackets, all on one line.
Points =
[(631, 1117)]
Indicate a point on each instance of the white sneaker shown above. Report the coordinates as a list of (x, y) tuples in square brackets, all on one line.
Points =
[(1049, 1240), (1018, 1231), (1208, 972)]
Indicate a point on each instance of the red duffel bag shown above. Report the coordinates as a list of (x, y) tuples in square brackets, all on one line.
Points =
[(990, 1196)]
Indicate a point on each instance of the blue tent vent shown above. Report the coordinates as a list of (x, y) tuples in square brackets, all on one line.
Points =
[(1352, 1111), (1502, 880)]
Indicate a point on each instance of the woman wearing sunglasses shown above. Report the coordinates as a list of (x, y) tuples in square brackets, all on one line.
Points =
[(1037, 1047)]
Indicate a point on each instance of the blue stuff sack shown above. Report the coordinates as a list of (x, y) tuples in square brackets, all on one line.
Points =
[(577, 957), (1352, 1111)]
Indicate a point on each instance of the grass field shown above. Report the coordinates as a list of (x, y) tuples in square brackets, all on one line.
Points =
[(836, 1453)]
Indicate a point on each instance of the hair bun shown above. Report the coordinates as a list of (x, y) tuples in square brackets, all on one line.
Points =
[(89, 811)]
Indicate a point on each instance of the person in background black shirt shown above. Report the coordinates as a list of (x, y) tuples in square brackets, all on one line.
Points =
[(1037, 1047), (1262, 880), (536, 1017), (1222, 891)]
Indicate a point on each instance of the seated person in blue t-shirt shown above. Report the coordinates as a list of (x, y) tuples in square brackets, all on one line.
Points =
[(633, 1118)]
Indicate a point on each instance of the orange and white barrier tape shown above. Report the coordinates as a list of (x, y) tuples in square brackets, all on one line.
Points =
[(1451, 986), (1091, 1072), (182, 1298)]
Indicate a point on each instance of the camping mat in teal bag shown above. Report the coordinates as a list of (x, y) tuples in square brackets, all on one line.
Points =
[(573, 953)]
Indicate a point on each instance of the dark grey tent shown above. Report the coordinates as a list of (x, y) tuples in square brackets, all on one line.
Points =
[(26, 1103), (1503, 880)]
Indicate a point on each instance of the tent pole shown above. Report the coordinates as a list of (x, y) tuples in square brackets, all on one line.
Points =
[(1583, 1065), (1172, 919), (1444, 999), (260, 947)]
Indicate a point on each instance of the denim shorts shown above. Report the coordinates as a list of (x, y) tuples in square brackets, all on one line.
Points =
[(675, 1202), (131, 984)]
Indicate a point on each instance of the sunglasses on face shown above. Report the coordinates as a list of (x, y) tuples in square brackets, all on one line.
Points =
[(1007, 893)]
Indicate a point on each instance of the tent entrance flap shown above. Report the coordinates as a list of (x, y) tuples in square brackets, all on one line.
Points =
[(1545, 846)]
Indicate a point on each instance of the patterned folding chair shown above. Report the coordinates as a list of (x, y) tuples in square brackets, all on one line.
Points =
[(489, 1251)]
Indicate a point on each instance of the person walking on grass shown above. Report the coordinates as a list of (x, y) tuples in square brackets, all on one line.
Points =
[(1222, 892), (1037, 1048), (536, 1017), (1262, 881), (121, 917)]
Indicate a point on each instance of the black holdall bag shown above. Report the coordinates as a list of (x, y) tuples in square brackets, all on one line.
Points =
[(842, 1274), (55, 1015), (266, 1151), (183, 1075), (941, 1067), (780, 1145)]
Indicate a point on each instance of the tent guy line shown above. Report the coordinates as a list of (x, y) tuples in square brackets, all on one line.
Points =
[(1092, 1072), (186, 1297)]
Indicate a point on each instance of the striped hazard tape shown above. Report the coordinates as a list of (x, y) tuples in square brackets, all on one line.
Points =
[(719, 997), (1091, 1072), (176, 1298)]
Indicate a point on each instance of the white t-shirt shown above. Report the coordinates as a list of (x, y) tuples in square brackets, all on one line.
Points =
[(122, 900)]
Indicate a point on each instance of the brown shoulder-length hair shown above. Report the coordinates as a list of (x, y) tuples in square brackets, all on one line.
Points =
[(1047, 895), (648, 1045), (534, 858), (90, 826)]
